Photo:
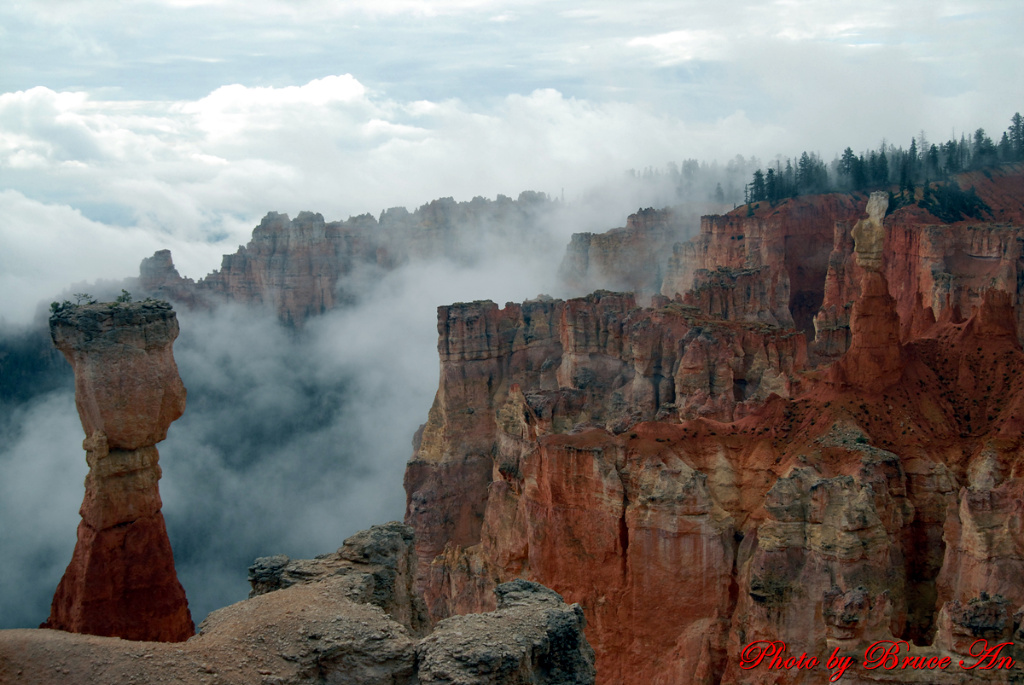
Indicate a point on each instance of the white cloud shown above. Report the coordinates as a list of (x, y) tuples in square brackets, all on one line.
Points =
[(682, 45), (49, 248)]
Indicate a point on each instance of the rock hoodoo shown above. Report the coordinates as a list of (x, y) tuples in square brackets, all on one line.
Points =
[(873, 360), (121, 580)]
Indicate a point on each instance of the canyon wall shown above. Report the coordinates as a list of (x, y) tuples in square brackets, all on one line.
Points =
[(697, 480), (121, 580), (785, 248)]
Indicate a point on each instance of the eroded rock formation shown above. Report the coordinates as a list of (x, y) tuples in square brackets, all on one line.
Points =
[(300, 267), (874, 359), (121, 580), (598, 361), (591, 445), (346, 618)]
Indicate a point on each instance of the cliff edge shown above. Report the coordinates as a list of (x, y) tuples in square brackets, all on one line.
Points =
[(347, 618)]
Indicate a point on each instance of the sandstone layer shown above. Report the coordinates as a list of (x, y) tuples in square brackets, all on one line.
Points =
[(346, 618), (697, 483), (121, 580)]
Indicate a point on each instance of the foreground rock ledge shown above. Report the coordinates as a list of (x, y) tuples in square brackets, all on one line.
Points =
[(121, 580), (345, 618)]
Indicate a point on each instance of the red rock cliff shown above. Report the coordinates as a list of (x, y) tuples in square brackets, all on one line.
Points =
[(830, 508), (121, 580), (875, 510)]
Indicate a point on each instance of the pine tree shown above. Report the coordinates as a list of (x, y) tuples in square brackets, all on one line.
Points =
[(1004, 148), (847, 166), (757, 189), (983, 150), (913, 162), (1016, 132), (931, 165)]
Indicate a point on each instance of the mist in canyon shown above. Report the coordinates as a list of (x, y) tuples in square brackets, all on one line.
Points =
[(292, 438)]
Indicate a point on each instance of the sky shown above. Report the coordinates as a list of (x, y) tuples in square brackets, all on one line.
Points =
[(127, 126)]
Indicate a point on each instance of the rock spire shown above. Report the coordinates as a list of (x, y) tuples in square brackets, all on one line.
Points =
[(121, 580)]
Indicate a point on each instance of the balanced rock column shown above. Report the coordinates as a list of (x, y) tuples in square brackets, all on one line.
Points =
[(874, 360), (121, 580)]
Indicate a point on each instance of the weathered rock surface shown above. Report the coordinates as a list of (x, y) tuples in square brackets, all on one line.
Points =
[(826, 520), (344, 618), (874, 359), (378, 565), (742, 295), (532, 637), (934, 270), (588, 362), (587, 445), (121, 580)]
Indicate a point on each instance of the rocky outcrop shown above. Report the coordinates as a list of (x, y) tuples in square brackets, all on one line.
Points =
[(341, 618), (462, 231), (935, 270), (742, 295), (159, 278), (378, 565), (293, 266), (632, 258), (531, 638), (121, 580), (840, 516)]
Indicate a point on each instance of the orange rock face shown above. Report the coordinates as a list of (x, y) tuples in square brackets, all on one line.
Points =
[(121, 580), (697, 484)]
